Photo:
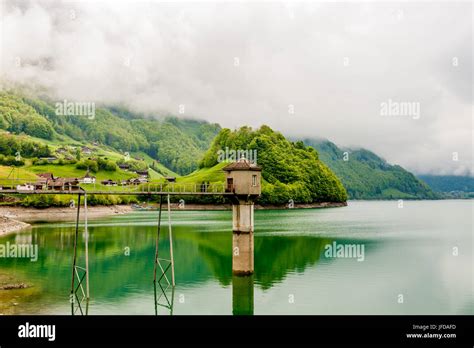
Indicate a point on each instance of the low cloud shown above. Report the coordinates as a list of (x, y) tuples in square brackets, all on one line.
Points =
[(307, 69)]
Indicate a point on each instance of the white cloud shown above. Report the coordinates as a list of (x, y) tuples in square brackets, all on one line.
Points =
[(335, 63)]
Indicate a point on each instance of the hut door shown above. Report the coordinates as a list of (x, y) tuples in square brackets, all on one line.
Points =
[(230, 184)]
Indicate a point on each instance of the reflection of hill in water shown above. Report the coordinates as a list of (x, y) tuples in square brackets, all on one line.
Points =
[(274, 257), (199, 257)]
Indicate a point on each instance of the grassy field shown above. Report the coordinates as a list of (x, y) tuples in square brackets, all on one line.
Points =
[(212, 175), (70, 171), (20, 173)]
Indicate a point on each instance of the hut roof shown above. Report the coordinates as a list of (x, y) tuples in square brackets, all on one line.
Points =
[(48, 176), (242, 164)]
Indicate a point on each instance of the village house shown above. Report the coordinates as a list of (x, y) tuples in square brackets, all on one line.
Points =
[(88, 179), (25, 187), (40, 184), (46, 176), (142, 173), (170, 179), (61, 184), (124, 166), (86, 150), (109, 182), (61, 151)]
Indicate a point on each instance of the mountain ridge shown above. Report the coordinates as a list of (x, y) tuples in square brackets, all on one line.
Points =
[(365, 175)]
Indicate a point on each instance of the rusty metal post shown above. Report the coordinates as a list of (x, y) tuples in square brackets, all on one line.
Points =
[(75, 249), (171, 241), (157, 238)]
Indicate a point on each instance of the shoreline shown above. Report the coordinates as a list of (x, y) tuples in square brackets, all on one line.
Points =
[(16, 219), (29, 215), (9, 225)]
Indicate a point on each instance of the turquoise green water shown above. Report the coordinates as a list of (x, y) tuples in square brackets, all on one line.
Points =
[(410, 264)]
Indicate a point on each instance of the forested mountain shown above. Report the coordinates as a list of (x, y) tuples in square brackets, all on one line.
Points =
[(449, 183), (367, 176), (304, 171), (176, 143), (289, 170)]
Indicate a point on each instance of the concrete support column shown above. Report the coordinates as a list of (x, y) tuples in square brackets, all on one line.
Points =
[(242, 238)]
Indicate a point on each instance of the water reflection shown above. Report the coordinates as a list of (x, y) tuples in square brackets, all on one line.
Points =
[(242, 295), (407, 249), (201, 257)]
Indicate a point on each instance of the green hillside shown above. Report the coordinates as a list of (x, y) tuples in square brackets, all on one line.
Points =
[(176, 143), (289, 170), (367, 176), (303, 171), (450, 186)]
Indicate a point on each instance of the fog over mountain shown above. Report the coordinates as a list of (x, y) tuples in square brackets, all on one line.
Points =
[(395, 78)]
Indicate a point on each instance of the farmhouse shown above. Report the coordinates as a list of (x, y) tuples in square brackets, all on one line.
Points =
[(25, 187), (46, 176), (88, 179), (86, 150), (109, 182), (61, 151), (60, 184), (143, 173)]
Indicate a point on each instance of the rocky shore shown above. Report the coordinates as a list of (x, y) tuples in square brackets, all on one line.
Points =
[(9, 225)]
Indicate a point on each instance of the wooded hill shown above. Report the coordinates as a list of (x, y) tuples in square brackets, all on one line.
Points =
[(367, 176), (303, 171), (177, 143)]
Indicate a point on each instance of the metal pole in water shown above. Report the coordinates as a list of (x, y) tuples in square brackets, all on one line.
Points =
[(157, 238), (75, 249), (86, 241), (171, 242)]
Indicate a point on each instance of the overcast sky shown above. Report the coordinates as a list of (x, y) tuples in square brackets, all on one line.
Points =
[(307, 69)]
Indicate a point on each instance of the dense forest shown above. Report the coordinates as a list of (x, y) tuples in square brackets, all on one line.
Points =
[(289, 170), (176, 143), (367, 176)]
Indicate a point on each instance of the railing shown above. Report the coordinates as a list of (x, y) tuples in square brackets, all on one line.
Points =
[(27, 186)]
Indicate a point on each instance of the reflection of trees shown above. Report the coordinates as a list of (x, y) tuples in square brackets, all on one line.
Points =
[(111, 271), (276, 256), (199, 257)]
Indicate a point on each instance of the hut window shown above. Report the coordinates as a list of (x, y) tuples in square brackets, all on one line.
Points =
[(254, 180)]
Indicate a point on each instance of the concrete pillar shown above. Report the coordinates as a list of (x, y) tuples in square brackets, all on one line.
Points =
[(242, 238)]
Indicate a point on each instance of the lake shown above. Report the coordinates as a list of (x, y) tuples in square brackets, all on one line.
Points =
[(412, 260)]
